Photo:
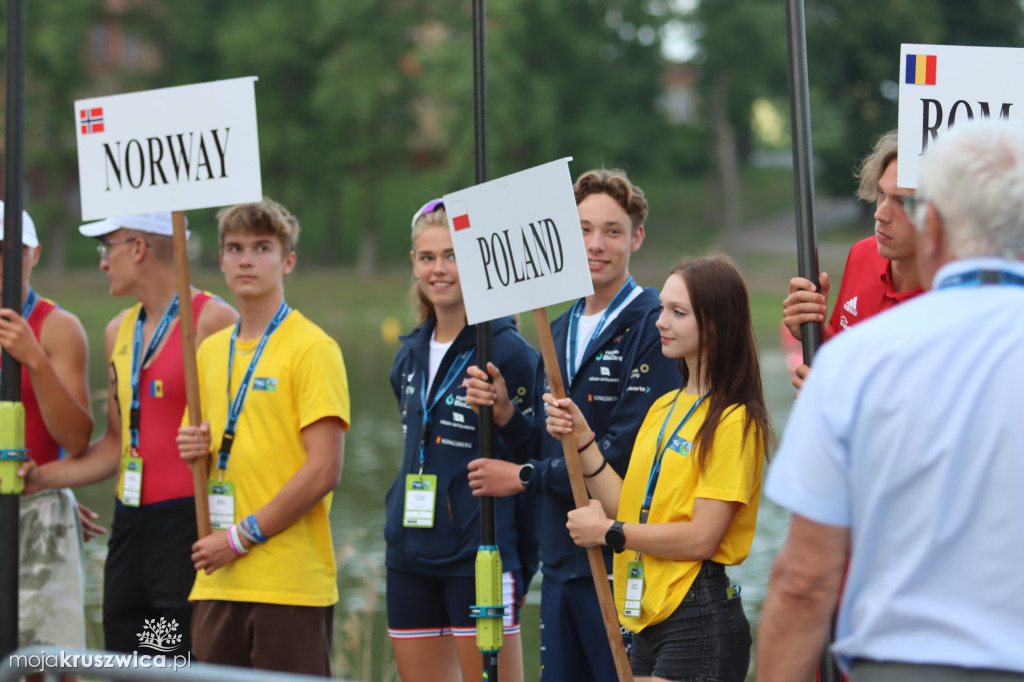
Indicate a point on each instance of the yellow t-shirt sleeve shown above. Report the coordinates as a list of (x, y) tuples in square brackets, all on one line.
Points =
[(322, 382), (732, 470)]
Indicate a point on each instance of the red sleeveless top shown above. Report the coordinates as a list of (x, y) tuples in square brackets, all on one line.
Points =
[(162, 403), (41, 445)]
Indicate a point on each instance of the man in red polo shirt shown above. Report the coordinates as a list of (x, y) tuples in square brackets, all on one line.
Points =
[(880, 270)]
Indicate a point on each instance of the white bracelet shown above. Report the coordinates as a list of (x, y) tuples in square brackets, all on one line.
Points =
[(235, 542)]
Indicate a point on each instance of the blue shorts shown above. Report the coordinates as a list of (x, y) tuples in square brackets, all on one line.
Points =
[(573, 641), (706, 638), (423, 606)]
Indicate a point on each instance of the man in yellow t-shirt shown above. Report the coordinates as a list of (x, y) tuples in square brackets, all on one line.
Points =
[(275, 410)]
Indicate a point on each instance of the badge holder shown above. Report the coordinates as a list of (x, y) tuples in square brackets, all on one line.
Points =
[(131, 481), (634, 588), (222, 503), (420, 500)]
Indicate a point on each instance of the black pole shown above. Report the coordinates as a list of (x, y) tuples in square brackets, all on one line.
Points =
[(803, 164), (483, 329), (10, 391), (806, 234)]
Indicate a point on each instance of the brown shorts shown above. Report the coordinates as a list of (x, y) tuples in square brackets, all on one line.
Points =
[(266, 636)]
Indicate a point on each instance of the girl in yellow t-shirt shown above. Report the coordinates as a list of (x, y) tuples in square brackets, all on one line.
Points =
[(688, 505)]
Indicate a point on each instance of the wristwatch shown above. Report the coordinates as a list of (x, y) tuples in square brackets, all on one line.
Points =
[(525, 475), (615, 538)]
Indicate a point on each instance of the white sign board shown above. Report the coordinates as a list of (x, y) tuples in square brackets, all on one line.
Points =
[(941, 85), (518, 242), (172, 149)]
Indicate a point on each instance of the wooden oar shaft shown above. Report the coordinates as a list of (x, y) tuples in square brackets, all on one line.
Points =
[(580, 497), (187, 325)]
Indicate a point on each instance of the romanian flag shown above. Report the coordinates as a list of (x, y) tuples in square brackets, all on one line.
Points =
[(921, 69)]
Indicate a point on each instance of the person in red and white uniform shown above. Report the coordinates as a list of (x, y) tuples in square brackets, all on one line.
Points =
[(880, 270)]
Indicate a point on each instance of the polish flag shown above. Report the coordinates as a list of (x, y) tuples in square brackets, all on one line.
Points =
[(460, 217)]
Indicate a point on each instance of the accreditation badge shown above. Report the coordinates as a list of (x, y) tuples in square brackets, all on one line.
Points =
[(420, 500), (222, 504), (634, 589), (131, 481), (680, 445)]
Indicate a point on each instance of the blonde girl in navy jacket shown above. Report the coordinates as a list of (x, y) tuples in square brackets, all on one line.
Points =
[(433, 523)]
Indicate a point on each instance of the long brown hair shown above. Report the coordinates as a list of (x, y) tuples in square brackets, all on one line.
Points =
[(726, 348)]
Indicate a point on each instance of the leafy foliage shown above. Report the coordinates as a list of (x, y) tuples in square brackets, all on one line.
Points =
[(854, 68)]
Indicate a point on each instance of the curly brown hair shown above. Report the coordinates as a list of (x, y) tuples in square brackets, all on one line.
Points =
[(614, 183), (870, 170)]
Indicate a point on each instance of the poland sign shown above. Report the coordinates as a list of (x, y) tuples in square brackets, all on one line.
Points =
[(518, 242)]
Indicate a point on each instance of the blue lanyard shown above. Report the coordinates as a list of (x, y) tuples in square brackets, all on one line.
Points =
[(138, 361), (454, 372), (976, 278), (652, 478), (30, 304), (574, 323), (235, 411)]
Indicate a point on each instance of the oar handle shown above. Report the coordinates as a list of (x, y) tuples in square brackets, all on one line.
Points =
[(187, 325), (579, 494)]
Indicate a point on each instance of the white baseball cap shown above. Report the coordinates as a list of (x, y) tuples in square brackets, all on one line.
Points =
[(153, 223), (28, 228)]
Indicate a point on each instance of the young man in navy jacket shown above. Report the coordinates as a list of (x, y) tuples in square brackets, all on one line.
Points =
[(609, 353)]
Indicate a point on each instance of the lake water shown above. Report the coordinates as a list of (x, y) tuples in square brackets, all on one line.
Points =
[(372, 450)]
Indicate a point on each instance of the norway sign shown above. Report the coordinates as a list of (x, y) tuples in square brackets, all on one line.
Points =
[(172, 149), (518, 242), (941, 85)]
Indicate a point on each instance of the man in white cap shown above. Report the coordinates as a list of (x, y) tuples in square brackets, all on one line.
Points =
[(149, 569), (51, 346)]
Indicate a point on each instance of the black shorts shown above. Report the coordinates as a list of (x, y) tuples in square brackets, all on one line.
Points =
[(422, 606), (149, 574), (706, 638)]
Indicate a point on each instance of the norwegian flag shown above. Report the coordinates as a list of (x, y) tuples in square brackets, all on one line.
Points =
[(91, 120)]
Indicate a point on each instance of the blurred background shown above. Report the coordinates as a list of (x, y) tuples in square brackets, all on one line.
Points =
[(365, 106), (365, 111)]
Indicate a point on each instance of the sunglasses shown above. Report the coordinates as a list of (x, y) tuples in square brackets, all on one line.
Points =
[(103, 245), (426, 208)]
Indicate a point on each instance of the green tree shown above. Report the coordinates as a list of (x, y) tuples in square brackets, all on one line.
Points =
[(564, 79), (742, 57), (854, 49), (57, 66)]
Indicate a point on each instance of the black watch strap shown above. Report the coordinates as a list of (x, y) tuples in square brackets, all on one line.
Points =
[(615, 537)]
